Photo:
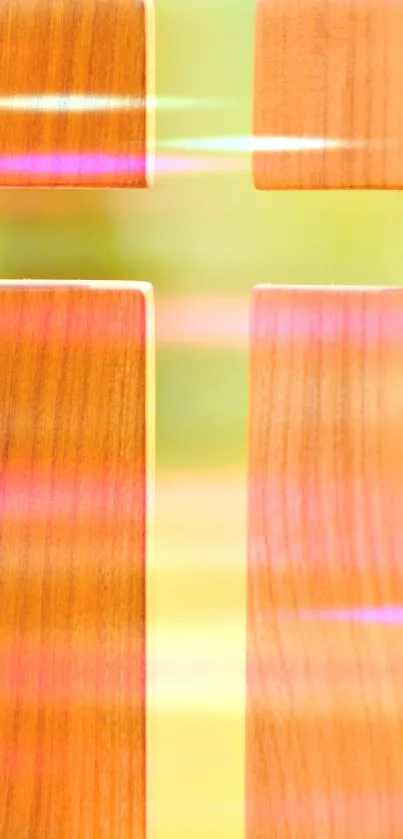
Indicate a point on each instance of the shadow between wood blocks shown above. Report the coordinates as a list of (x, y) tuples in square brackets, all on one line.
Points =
[(325, 576), (76, 93), (329, 92), (76, 461)]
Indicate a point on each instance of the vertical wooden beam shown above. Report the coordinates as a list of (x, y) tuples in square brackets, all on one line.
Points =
[(76, 447), (76, 91), (328, 96), (325, 602)]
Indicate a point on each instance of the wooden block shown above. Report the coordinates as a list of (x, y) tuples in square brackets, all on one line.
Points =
[(329, 81), (325, 682), (74, 77), (76, 438)]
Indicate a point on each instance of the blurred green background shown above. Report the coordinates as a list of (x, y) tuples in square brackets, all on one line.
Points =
[(203, 234)]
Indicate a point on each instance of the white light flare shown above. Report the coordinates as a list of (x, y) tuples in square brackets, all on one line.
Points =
[(248, 145), (86, 103), (70, 103)]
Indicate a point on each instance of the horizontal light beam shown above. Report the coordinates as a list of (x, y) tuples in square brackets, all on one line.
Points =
[(248, 145), (87, 103)]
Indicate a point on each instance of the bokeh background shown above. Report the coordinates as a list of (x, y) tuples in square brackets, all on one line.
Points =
[(203, 237)]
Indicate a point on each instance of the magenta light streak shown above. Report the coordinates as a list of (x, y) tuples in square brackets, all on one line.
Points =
[(387, 615), (364, 614), (101, 165), (71, 164)]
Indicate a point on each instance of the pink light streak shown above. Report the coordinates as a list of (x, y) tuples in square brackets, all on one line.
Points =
[(71, 166), (333, 322), (209, 322), (92, 497), (64, 674), (44, 321)]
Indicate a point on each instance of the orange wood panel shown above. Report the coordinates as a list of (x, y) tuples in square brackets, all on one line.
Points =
[(74, 77), (329, 74), (75, 459), (325, 590)]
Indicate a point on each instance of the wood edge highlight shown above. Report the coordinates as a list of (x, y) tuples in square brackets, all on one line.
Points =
[(149, 558), (253, 300), (150, 71), (95, 285), (334, 287)]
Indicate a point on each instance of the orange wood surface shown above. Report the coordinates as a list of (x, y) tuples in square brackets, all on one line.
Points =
[(325, 590), (74, 77), (328, 72), (74, 460)]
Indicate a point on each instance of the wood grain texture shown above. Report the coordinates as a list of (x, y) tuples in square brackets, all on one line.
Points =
[(325, 612), (75, 444), (329, 71), (74, 76)]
